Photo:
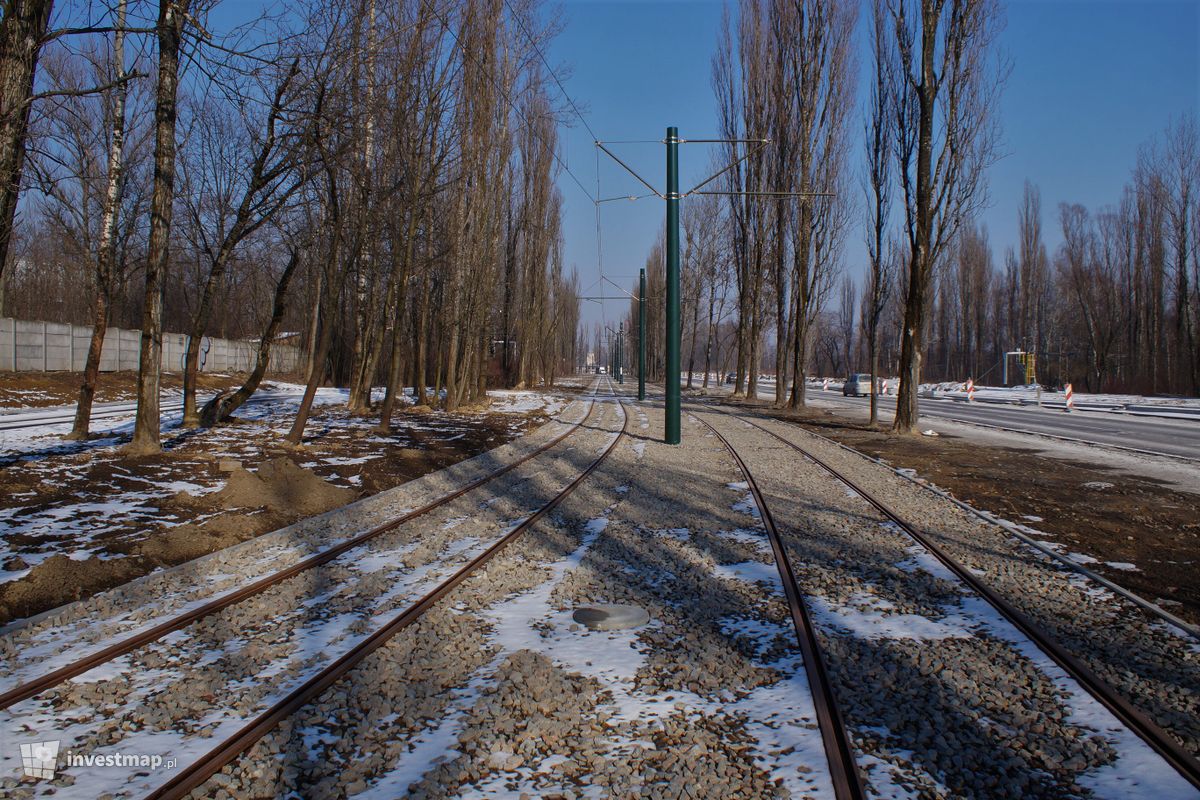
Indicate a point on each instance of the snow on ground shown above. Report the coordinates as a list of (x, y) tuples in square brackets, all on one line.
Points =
[(1137, 770), (778, 716), (1184, 407), (524, 402), (329, 635), (1033, 392), (117, 504)]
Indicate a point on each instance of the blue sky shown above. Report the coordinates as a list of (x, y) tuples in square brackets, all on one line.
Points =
[(1090, 83)]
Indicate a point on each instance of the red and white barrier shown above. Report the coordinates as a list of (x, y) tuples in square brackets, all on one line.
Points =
[(970, 390), (825, 385), (884, 389), (1070, 398)]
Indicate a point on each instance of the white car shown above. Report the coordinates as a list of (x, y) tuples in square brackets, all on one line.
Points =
[(857, 385)]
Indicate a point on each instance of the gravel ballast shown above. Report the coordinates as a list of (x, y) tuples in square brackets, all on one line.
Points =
[(498, 690)]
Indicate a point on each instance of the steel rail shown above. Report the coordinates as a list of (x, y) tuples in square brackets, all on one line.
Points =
[(1014, 530), (33, 687), (1134, 719), (843, 767), (196, 773)]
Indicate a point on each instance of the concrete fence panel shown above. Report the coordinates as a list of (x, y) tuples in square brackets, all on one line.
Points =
[(81, 340), (8, 344), (31, 346)]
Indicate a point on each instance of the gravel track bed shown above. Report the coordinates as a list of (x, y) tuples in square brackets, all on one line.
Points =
[(69, 633), (942, 697), (498, 692), (395, 702), (1151, 663), (204, 681)]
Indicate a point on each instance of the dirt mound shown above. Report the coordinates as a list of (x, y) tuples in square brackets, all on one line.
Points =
[(59, 580), (281, 487), (188, 541)]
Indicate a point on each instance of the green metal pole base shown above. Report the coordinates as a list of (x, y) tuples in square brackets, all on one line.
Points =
[(642, 336)]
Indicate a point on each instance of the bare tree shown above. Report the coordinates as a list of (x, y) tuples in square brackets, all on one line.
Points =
[(106, 261), (89, 192), (878, 138), (1179, 181), (172, 19), (742, 97), (223, 405), (822, 81), (946, 84), (22, 31), (1033, 269), (231, 197)]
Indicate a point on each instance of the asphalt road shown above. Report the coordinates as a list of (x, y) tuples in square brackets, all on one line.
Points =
[(1168, 436)]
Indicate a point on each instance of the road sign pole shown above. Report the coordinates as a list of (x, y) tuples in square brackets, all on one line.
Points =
[(673, 333), (642, 336)]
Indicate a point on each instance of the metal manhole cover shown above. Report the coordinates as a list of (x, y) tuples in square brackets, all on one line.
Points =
[(610, 617)]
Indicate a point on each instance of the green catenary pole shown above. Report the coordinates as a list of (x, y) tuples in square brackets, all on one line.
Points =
[(642, 336), (673, 345), (621, 353)]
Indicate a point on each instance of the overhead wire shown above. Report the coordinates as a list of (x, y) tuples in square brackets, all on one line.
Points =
[(596, 199), (542, 56), (575, 108)]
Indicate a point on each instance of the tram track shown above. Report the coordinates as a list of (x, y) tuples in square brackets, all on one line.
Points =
[(79, 666), (1158, 739), (195, 774), (839, 752), (133, 644)]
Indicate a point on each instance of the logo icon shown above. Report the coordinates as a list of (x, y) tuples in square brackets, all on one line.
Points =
[(40, 759)]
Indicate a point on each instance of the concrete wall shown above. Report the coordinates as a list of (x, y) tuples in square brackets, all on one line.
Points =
[(50, 346)]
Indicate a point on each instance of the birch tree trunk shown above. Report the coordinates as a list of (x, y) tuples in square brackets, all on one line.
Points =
[(107, 251)]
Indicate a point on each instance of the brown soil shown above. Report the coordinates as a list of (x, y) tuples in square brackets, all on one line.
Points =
[(279, 486), (41, 389), (185, 542), (267, 485), (59, 580), (1117, 518)]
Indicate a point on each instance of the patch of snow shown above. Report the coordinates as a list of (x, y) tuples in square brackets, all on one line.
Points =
[(524, 402), (750, 572), (868, 617), (747, 506)]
